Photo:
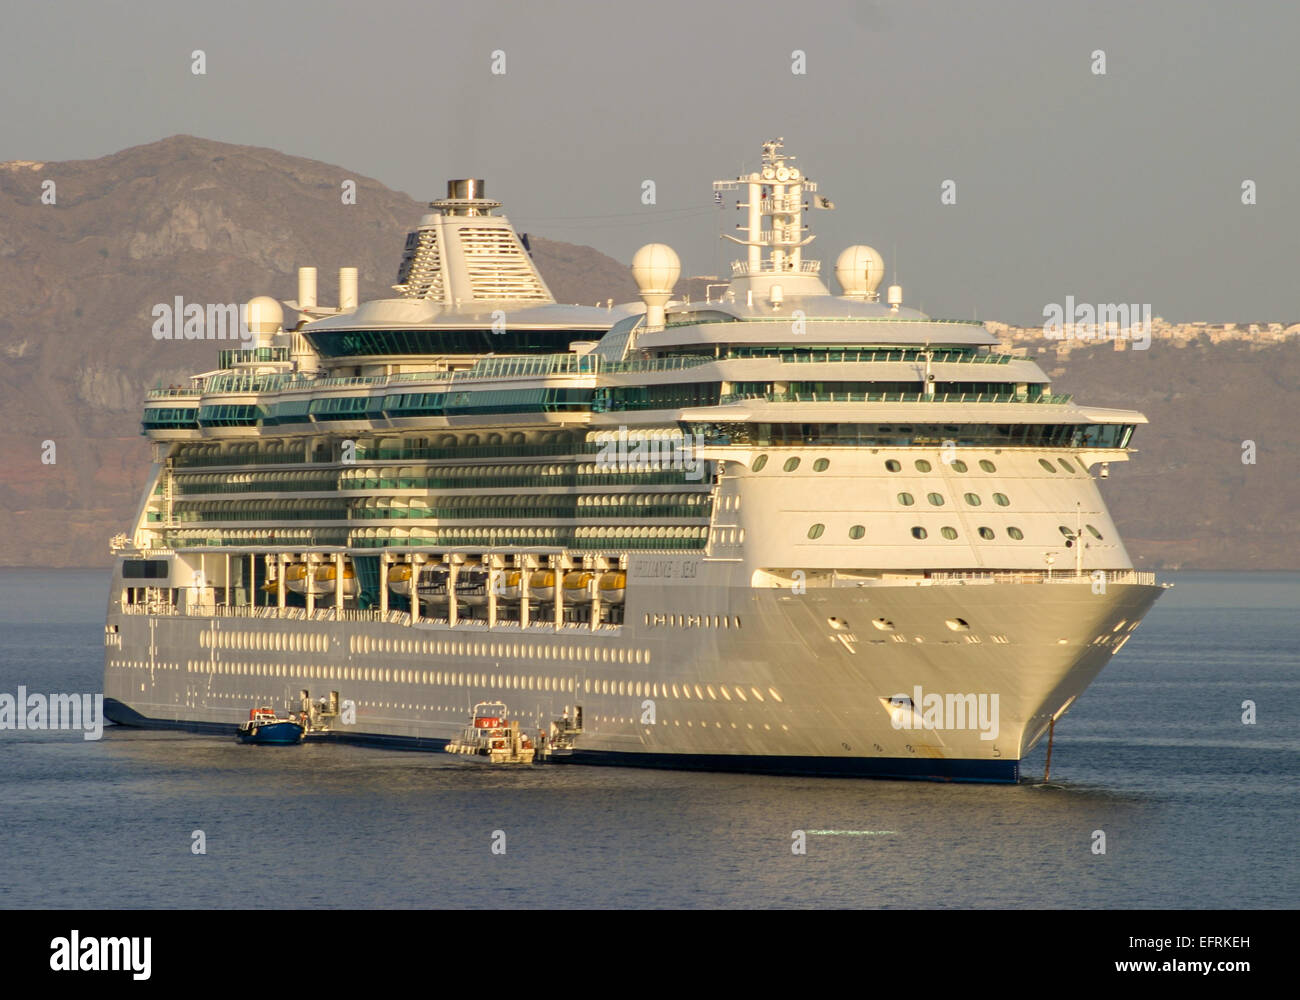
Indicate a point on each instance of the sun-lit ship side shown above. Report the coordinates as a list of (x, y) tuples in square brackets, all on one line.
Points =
[(750, 533)]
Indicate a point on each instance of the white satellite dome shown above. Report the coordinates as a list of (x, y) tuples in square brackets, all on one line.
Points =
[(860, 270), (264, 314), (656, 268)]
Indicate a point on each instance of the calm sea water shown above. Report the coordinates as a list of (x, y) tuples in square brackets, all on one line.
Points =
[(1198, 809)]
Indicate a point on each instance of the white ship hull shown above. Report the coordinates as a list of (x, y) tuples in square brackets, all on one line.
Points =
[(801, 695)]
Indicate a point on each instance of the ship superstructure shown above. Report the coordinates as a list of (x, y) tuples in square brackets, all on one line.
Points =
[(761, 532)]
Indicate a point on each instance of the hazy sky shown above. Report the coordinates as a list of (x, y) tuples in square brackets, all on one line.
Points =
[(1125, 187)]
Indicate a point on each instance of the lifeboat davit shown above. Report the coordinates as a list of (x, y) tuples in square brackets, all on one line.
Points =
[(579, 587), (433, 582), (323, 580), (541, 585), (295, 577), (613, 587), (472, 585), (399, 579), (508, 585)]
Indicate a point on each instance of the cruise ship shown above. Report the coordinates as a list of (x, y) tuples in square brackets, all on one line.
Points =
[(776, 530)]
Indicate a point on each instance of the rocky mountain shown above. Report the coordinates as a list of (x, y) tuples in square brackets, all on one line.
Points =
[(213, 222)]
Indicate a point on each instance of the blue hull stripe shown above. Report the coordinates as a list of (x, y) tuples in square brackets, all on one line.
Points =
[(983, 771)]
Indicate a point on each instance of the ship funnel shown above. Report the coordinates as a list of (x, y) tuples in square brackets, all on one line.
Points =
[(655, 268), (306, 288), (347, 288), (465, 189)]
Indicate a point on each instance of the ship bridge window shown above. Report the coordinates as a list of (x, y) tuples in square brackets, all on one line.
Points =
[(893, 465), (1016, 533), (987, 466), (1047, 466), (144, 569)]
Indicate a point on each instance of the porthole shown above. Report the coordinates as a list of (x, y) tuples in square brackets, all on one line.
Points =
[(759, 463), (948, 533), (1065, 531), (986, 534), (957, 465), (857, 531), (816, 531), (958, 624), (973, 499), (936, 499), (987, 466), (1065, 464), (906, 499), (922, 465), (821, 465), (1001, 500), (884, 624), (791, 464), (1093, 531), (1048, 466), (918, 532), (893, 466)]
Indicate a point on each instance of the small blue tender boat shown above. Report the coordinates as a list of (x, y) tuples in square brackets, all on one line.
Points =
[(263, 728)]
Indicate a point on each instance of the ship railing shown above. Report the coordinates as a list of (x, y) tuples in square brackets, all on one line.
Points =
[(161, 393), (836, 356), (742, 268), (892, 397), (828, 319), (540, 623)]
